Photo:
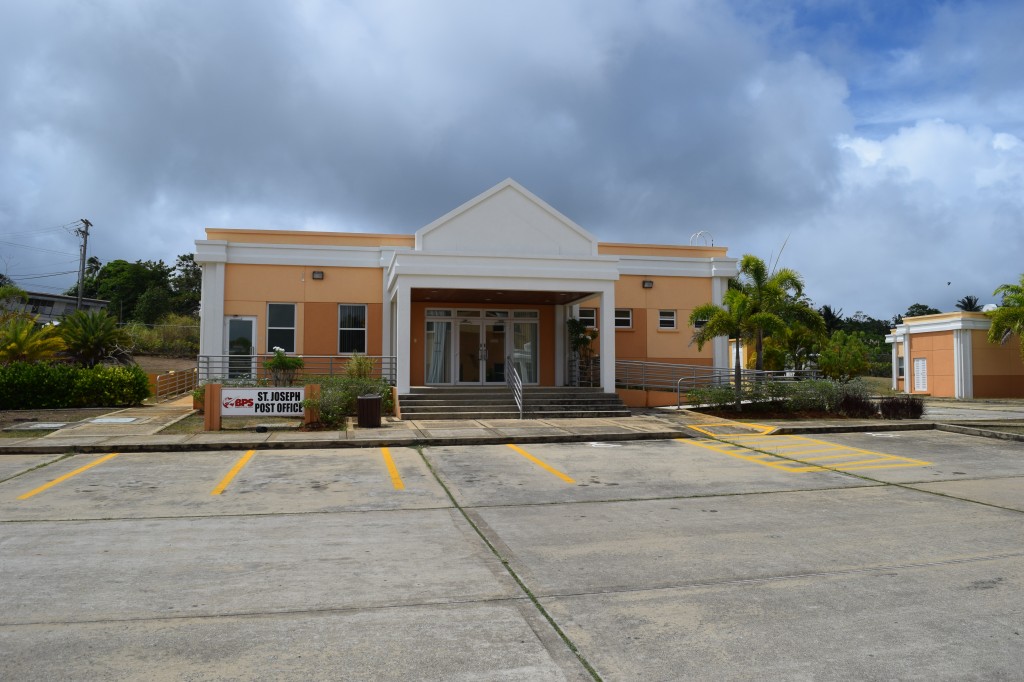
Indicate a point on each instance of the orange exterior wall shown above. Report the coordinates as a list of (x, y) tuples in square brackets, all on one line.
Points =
[(645, 340), (248, 289), (998, 368), (937, 349)]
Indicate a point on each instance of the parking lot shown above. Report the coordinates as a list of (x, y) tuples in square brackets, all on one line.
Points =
[(736, 556)]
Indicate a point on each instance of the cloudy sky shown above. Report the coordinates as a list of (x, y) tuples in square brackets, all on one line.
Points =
[(881, 141)]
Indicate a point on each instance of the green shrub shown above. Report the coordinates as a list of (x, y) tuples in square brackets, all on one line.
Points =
[(173, 335), (774, 394), (715, 397), (338, 396), (901, 407), (814, 395), (25, 386)]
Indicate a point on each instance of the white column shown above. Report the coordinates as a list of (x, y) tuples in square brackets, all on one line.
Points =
[(895, 362), (560, 347), (211, 316), (963, 365), (606, 338), (403, 337), (908, 368)]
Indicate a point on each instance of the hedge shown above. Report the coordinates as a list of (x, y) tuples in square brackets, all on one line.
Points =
[(40, 385)]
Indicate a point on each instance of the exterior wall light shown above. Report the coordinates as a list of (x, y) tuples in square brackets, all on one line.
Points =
[(318, 274), (648, 284)]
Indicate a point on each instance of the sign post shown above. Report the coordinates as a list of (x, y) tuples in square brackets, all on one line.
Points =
[(268, 401)]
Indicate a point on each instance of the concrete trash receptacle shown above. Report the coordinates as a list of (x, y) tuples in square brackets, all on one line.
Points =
[(368, 411)]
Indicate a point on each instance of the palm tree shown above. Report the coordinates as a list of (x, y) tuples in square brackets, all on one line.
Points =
[(770, 293), (735, 318), (21, 340), (1008, 318), (833, 318), (93, 336), (969, 304)]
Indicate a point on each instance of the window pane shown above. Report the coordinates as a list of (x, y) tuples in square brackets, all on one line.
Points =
[(352, 316), (623, 317), (667, 319), (282, 338), (281, 315), (351, 341)]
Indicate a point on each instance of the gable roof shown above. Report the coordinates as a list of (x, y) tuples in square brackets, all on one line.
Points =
[(510, 219)]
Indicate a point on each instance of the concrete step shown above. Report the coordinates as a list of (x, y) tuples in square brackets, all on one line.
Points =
[(496, 402)]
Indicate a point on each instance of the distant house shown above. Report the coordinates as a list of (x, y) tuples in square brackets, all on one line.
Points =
[(50, 307), (949, 356)]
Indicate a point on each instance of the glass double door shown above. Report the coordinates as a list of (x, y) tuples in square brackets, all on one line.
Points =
[(474, 346), (481, 350)]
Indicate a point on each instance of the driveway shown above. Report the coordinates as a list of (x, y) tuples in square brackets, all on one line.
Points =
[(738, 556)]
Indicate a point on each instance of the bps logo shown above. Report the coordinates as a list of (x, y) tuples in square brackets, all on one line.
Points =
[(239, 402)]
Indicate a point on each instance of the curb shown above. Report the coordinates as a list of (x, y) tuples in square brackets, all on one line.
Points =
[(338, 444)]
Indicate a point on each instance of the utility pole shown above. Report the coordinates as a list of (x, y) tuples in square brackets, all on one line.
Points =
[(82, 232)]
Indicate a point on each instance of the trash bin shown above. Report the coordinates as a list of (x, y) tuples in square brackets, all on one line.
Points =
[(368, 411)]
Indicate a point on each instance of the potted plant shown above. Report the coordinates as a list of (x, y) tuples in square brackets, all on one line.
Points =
[(283, 367)]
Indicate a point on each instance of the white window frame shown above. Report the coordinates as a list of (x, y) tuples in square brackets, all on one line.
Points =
[(667, 316), (366, 323), (270, 345), (624, 315), (588, 316)]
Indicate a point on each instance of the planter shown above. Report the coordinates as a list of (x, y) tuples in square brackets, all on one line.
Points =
[(283, 377)]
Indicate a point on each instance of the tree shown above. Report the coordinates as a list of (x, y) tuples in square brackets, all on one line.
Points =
[(10, 297), (969, 304), (186, 285), (93, 336), (833, 318), (735, 318), (770, 293), (1008, 318), (919, 309), (123, 284), (22, 340), (844, 357)]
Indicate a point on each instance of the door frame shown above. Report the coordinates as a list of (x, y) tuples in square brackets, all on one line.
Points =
[(252, 320), (482, 324)]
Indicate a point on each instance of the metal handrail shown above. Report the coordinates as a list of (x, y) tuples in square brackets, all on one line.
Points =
[(173, 384), (664, 376), (251, 366), (515, 383)]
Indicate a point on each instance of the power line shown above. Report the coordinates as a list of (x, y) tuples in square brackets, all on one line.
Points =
[(51, 274), (59, 228), (37, 248)]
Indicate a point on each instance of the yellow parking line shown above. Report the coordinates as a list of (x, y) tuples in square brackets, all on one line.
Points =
[(911, 463), (396, 480), (541, 464), (234, 472), (65, 477)]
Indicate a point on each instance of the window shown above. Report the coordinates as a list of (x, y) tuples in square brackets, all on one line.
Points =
[(900, 367), (588, 316), (351, 328), (623, 318), (281, 327), (666, 319)]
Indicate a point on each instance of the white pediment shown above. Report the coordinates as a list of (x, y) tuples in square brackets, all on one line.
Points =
[(506, 219)]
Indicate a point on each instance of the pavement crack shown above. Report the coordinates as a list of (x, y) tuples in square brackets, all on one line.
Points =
[(781, 578), (512, 572)]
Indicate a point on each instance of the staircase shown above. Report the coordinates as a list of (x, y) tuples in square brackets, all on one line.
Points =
[(539, 402)]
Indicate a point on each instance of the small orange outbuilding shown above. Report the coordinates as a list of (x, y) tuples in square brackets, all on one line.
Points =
[(949, 356)]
